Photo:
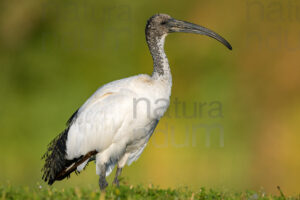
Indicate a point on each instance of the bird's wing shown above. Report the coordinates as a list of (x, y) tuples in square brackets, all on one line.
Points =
[(98, 123), (91, 129)]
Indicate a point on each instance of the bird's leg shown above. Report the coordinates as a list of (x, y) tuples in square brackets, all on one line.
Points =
[(118, 173), (102, 179)]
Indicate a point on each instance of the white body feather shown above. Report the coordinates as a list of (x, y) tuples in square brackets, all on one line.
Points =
[(119, 118), (117, 121)]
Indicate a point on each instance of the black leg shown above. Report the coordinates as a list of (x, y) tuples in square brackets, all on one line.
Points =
[(116, 180), (102, 180)]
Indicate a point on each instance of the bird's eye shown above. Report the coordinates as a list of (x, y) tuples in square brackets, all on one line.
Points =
[(163, 22)]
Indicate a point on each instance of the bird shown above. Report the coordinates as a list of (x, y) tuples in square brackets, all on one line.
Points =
[(115, 124)]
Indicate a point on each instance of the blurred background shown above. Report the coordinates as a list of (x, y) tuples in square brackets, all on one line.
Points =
[(233, 122)]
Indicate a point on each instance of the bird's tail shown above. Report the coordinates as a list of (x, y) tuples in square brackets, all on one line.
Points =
[(55, 158), (56, 166)]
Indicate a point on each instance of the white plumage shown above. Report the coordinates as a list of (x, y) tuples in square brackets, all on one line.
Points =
[(116, 122)]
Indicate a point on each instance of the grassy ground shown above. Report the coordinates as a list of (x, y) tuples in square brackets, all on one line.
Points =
[(130, 192)]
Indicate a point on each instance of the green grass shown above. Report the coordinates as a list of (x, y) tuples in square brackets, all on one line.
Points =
[(130, 192)]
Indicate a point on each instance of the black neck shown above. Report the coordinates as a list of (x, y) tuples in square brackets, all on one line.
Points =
[(160, 61)]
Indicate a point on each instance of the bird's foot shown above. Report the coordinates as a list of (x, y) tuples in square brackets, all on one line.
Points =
[(102, 183), (116, 182)]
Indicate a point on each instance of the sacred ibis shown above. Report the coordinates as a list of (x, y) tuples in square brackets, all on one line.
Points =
[(114, 125)]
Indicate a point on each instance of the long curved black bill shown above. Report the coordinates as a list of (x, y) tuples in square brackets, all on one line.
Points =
[(186, 27)]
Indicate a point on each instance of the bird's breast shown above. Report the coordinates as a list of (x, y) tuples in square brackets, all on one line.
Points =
[(153, 97)]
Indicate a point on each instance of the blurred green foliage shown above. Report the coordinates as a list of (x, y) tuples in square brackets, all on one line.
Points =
[(55, 54), (130, 192)]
